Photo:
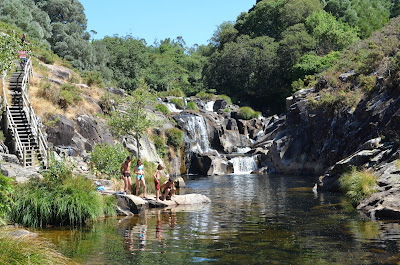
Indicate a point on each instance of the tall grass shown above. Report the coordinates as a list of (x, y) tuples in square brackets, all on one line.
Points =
[(58, 199), (28, 250), (6, 189), (358, 185)]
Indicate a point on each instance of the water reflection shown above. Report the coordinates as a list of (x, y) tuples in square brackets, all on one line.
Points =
[(251, 220)]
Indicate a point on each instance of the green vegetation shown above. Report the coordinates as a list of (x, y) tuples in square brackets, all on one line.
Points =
[(226, 98), (69, 95), (108, 159), (159, 142), (179, 103), (247, 113), (28, 250), (191, 105), (358, 185), (6, 190), (162, 108), (93, 78), (205, 96), (59, 198), (175, 137)]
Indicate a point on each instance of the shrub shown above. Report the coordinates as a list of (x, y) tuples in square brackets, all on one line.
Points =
[(93, 78), (175, 137), (46, 56), (178, 103), (357, 185), (108, 159), (226, 98), (163, 109), (27, 250), (191, 105), (247, 113), (69, 95), (6, 189), (205, 96), (49, 92), (175, 92), (367, 82), (159, 142)]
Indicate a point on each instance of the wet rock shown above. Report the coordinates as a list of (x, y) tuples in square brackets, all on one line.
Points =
[(130, 204)]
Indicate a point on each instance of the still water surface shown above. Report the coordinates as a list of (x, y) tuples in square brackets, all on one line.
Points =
[(252, 220)]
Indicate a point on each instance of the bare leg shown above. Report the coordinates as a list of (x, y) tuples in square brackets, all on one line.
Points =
[(144, 187), (157, 194), (125, 183), (129, 185), (137, 186)]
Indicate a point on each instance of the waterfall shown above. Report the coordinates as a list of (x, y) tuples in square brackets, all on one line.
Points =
[(244, 164), (243, 150), (196, 134), (171, 107), (209, 106)]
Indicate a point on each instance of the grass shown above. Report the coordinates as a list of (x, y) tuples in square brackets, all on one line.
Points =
[(178, 103), (27, 250), (247, 113), (163, 109), (205, 96), (58, 199), (357, 185), (397, 163), (175, 137), (191, 105)]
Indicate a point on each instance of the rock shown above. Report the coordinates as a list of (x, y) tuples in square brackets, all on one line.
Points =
[(220, 104), (84, 86), (148, 150), (56, 81), (116, 91), (289, 102), (371, 144), (61, 72), (180, 183), (190, 199), (130, 204), (19, 173), (9, 158), (345, 76), (208, 164)]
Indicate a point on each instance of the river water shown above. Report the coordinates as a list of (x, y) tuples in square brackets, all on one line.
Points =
[(252, 219)]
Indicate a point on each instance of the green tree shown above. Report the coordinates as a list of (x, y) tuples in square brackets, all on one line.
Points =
[(108, 159), (330, 33), (135, 119)]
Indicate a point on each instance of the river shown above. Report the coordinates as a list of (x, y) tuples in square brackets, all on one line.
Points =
[(252, 219)]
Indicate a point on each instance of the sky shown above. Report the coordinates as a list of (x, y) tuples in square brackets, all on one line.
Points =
[(194, 20)]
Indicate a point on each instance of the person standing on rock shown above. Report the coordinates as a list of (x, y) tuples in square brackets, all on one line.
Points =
[(157, 180), (126, 175), (139, 171)]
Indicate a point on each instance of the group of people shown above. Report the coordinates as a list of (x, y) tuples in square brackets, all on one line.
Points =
[(167, 186)]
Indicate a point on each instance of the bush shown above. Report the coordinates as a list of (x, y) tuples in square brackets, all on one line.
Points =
[(357, 185), (93, 78), (159, 142), (49, 92), (46, 56), (163, 109), (205, 96), (191, 105), (174, 92), (247, 113), (57, 201), (367, 82), (108, 159), (6, 189), (27, 250), (226, 98), (69, 94), (178, 103), (175, 137)]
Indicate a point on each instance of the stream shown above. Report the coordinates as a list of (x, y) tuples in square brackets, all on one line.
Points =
[(253, 219)]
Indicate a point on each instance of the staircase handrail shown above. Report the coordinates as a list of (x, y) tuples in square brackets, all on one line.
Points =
[(31, 113), (13, 127)]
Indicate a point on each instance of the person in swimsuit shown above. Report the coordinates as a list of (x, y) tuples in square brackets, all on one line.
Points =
[(126, 175), (157, 180), (168, 186), (139, 171)]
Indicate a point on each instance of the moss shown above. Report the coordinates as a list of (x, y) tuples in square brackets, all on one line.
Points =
[(191, 105), (247, 113), (163, 109), (178, 103)]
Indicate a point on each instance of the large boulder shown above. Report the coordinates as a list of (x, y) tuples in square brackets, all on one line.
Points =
[(61, 72), (209, 164), (130, 204)]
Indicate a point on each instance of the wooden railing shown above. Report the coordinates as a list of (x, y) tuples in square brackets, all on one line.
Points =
[(30, 114)]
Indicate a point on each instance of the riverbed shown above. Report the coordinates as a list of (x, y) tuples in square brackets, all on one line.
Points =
[(253, 219)]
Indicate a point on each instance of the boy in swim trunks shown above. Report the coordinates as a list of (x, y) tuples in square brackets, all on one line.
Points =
[(139, 171), (168, 186), (126, 175), (157, 180)]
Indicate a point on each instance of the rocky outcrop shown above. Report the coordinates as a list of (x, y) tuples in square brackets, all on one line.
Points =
[(209, 164), (80, 135)]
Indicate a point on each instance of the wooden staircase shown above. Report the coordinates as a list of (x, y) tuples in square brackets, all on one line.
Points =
[(20, 125)]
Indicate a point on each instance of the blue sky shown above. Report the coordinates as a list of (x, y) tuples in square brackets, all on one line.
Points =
[(194, 20)]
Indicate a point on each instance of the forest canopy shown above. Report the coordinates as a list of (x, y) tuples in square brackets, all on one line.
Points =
[(255, 59)]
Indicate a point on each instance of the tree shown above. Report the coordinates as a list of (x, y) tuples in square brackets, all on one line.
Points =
[(135, 119), (9, 51)]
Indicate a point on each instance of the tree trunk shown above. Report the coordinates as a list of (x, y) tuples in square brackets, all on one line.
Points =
[(138, 146)]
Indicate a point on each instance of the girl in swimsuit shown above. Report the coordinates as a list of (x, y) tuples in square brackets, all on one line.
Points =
[(139, 171)]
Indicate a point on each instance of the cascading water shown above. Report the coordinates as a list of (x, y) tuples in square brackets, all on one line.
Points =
[(209, 106), (243, 150), (171, 107), (196, 137), (244, 164)]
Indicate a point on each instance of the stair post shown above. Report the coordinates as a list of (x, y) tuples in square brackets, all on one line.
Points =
[(24, 157)]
